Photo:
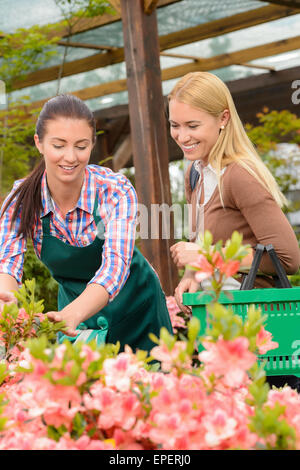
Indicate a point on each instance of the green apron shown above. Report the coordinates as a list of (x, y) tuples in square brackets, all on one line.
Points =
[(139, 308)]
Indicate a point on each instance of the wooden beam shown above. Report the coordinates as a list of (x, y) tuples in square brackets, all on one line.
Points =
[(123, 154), (180, 56), (197, 33), (71, 68), (212, 63), (250, 95), (87, 24), (149, 6), (197, 59), (225, 60), (86, 46), (273, 91), (225, 25), (265, 80), (285, 3), (148, 128), (256, 66)]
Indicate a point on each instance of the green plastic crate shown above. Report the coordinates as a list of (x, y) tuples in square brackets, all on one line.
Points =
[(282, 306)]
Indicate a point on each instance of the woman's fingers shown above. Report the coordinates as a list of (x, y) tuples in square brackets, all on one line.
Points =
[(179, 291), (194, 287), (58, 317), (184, 253), (70, 332), (54, 316), (8, 297)]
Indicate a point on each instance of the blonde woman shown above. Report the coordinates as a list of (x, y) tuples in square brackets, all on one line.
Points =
[(234, 189)]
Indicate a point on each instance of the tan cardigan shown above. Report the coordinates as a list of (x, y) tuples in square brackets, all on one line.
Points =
[(251, 210)]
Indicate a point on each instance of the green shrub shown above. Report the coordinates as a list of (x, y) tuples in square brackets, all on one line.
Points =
[(46, 287)]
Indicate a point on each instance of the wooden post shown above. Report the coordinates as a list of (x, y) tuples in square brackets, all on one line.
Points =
[(149, 134)]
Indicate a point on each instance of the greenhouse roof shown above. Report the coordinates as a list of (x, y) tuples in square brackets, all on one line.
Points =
[(181, 27)]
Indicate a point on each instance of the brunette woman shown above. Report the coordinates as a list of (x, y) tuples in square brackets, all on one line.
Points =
[(82, 221)]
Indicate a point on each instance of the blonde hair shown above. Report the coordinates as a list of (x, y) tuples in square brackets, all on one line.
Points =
[(207, 92)]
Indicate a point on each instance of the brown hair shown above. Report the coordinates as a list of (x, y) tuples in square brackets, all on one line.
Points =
[(29, 191)]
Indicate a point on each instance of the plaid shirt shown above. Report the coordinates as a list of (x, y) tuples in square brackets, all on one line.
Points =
[(117, 206)]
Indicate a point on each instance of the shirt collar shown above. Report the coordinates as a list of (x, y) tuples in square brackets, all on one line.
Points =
[(207, 168), (86, 199)]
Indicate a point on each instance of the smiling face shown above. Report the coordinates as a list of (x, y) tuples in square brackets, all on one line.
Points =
[(194, 130), (66, 147)]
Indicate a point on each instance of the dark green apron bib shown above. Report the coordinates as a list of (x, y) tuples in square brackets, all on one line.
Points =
[(138, 309)]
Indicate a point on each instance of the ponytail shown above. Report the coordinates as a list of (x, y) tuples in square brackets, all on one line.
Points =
[(29, 200)]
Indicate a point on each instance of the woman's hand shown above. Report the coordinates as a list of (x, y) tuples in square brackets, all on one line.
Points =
[(7, 298), (184, 253), (67, 317), (93, 299), (187, 284)]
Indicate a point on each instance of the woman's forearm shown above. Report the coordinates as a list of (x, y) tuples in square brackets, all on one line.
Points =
[(93, 299), (8, 283), (247, 260)]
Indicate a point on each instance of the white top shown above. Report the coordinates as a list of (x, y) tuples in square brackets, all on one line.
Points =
[(210, 180)]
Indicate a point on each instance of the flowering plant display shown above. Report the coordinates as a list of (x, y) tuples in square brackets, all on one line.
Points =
[(19, 324), (87, 397), (217, 263)]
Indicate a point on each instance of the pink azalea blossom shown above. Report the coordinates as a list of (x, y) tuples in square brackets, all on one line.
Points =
[(171, 358), (290, 400), (264, 341), (128, 406), (229, 359), (173, 309), (219, 426), (172, 305), (205, 268), (119, 371), (229, 267)]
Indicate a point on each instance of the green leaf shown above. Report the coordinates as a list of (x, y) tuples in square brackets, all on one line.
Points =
[(78, 426)]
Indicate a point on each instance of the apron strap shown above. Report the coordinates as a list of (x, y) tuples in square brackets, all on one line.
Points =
[(46, 224), (96, 216)]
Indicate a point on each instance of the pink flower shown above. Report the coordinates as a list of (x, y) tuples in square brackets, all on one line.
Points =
[(229, 268), (89, 355), (219, 426), (290, 400), (205, 268), (264, 341), (229, 359), (119, 371), (177, 321), (172, 305), (23, 315), (126, 440), (171, 358)]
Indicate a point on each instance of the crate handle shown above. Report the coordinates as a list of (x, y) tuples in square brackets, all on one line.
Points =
[(248, 280), (281, 279)]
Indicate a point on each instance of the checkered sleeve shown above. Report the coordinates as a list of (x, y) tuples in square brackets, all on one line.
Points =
[(119, 238), (12, 247)]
